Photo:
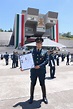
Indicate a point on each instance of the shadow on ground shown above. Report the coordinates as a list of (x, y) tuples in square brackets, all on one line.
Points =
[(49, 78), (25, 105)]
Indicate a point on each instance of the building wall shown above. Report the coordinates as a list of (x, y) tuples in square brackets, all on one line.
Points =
[(5, 38), (35, 25)]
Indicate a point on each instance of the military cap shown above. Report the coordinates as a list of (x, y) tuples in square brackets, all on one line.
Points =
[(39, 39)]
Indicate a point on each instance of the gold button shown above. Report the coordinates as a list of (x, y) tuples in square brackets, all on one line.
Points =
[(37, 58), (37, 54)]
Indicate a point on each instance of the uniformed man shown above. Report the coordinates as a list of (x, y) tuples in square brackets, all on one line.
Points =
[(67, 63), (57, 58), (13, 57), (51, 64), (40, 58), (62, 56), (6, 56), (16, 54)]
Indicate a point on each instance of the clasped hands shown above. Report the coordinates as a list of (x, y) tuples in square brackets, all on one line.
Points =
[(37, 67)]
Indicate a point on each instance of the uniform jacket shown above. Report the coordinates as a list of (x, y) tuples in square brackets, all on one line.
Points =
[(51, 61), (40, 58), (6, 56)]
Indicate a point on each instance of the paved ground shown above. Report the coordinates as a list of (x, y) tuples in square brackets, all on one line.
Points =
[(15, 88)]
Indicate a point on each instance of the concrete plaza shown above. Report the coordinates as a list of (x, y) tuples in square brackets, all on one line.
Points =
[(15, 88)]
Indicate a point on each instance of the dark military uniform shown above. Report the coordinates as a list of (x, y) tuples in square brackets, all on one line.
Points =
[(40, 58), (67, 63), (57, 59), (13, 57), (52, 65), (6, 56), (16, 54), (62, 56)]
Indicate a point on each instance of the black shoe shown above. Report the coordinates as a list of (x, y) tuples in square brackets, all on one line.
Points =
[(30, 101), (53, 77), (45, 100)]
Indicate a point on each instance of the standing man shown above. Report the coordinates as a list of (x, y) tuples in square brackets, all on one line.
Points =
[(62, 56), (13, 57), (6, 56), (40, 58), (67, 63), (16, 54), (52, 64), (57, 58)]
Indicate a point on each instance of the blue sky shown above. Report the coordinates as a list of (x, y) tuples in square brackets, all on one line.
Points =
[(8, 9)]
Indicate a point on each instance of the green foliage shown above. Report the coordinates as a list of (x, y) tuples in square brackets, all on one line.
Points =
[(1, 30), (67, 35), (10, 30)]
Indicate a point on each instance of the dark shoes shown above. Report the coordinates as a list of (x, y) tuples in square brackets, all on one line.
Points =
[(45, 100), (30, 101)]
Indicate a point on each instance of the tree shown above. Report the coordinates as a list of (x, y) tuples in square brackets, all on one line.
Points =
[(68, 34), (10, 30), (1, 30), (5, 30)]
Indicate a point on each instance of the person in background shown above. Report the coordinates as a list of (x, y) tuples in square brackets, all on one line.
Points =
[(40, 58), (62, 56), (67, 63), (57, 58), (2, 56), (6, 56), (52, 64), (13, 57), (16, 54)]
